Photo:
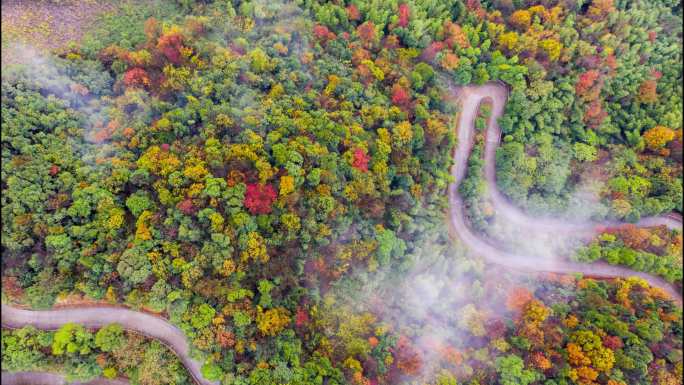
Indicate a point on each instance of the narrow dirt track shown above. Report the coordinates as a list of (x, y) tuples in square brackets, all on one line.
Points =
[(470, 98)]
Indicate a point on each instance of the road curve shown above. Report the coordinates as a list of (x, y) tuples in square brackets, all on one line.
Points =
[(97, 317), (45, 378), (470, 98)]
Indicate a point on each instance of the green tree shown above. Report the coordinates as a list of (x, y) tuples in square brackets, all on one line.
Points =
[(202, 316), (72, 338), (109, 337), (511, 370), (134, 266)]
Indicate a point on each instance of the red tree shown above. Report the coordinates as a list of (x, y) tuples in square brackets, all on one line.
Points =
[(594, 114), (586, 81), (360, 161), (407, 358), (366, 32), (612, 342), (518, 298), (186, 207), (353, 12), (455, 35), (323, 33), (136, 77), (259, 198), (302, 317), (404, 13), (225, 338), (633, 237), (400, 96), (170, 45), (320, 31)]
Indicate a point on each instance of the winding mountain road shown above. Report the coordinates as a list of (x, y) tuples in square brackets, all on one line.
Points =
[(470, 97)]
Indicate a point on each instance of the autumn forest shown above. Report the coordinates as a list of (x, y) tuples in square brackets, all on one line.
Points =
[(363, 192)]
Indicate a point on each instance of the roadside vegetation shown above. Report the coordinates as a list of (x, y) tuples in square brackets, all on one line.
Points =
[(82, 355), (656, 250)]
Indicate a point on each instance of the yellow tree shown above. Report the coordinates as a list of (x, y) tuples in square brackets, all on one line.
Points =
[(509, 40), (272, 321), (658, 136), (521, 19), (552, 48)]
